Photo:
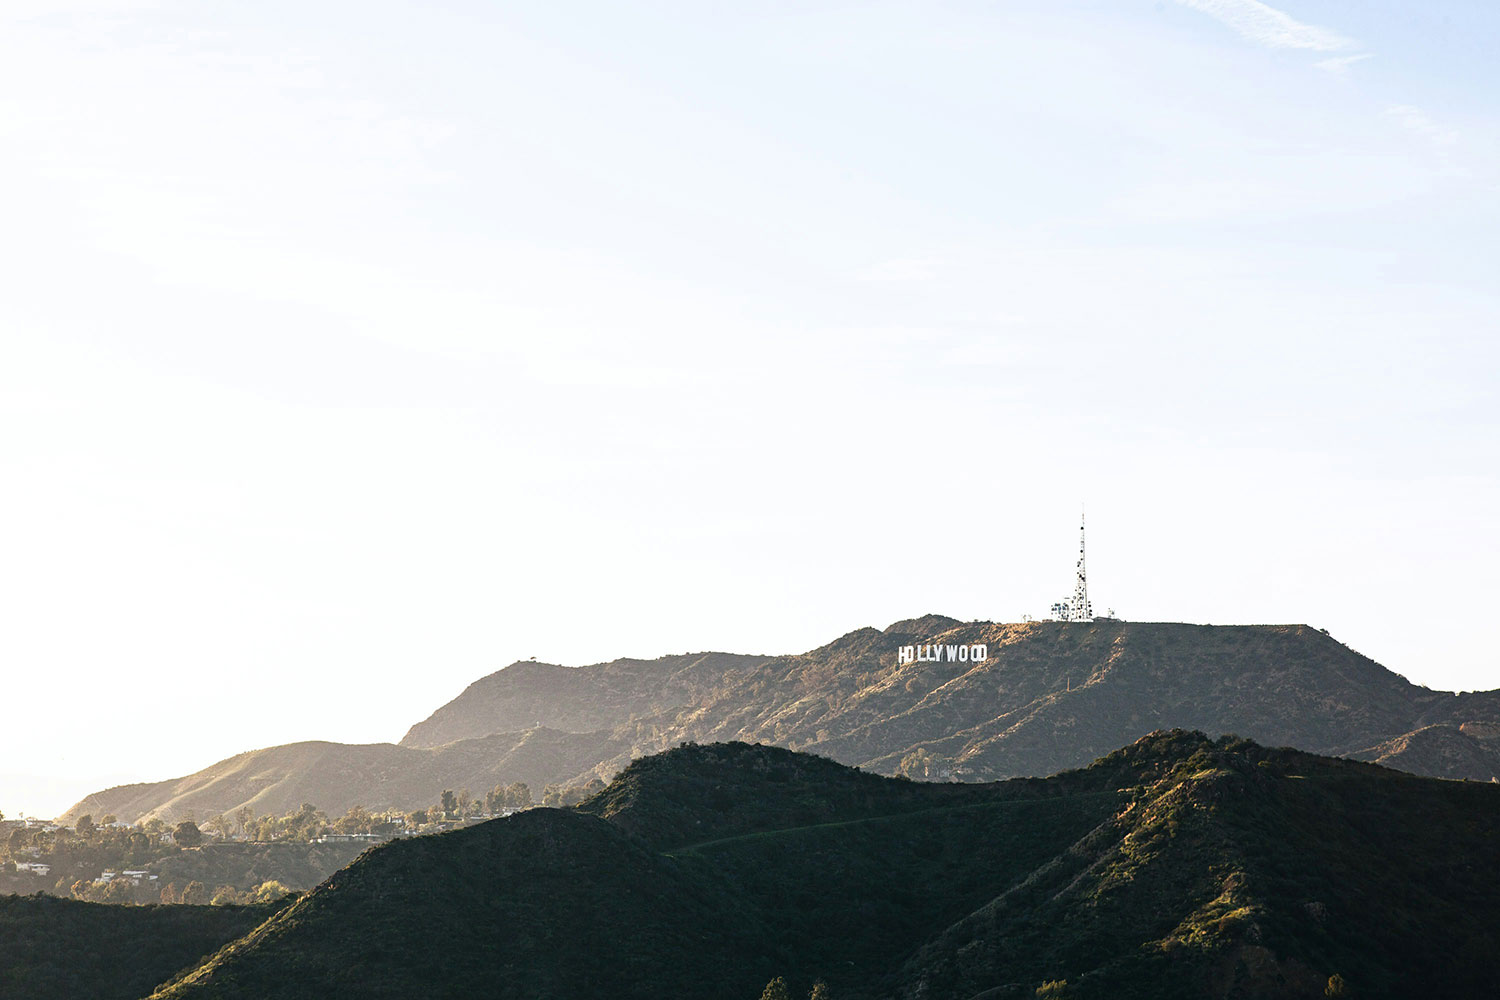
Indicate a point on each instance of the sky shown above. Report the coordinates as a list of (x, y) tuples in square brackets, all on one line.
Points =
[(350, 352)]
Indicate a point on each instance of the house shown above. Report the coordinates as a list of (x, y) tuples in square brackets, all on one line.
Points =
[(34, 867)]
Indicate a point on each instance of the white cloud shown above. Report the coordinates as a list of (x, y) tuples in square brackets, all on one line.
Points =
[(1271, 27), (1416, 121), (1339, 65)]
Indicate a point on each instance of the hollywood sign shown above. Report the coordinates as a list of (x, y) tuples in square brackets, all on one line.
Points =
[(939, 653)]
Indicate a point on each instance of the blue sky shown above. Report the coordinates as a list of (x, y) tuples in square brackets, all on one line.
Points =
[(353, 351)]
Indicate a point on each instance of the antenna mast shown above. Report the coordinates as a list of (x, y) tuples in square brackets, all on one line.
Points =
[(1082, 610), (1078, 608)]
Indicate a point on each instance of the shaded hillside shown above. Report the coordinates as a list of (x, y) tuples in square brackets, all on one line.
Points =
[(335, 776), (62, 949), (545, 904), (1177, 867), (1470, 751)]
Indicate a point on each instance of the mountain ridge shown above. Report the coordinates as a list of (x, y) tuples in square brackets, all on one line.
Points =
[(1049, 696)]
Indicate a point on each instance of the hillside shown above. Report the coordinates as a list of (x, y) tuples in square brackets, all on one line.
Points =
[(1049, 696), (335, 776), (1470, 751), (528, 694), (63, 949), (1178, 867)]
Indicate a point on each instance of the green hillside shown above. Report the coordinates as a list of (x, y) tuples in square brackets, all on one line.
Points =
[(1177, 867)]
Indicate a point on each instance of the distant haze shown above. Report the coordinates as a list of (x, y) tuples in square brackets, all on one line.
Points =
[(351, 352)]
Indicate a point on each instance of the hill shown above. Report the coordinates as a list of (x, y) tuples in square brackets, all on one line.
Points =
[(1048, 696), (1179, 867), (528, 694), (1470, 751), (336, 776), (63, 949)]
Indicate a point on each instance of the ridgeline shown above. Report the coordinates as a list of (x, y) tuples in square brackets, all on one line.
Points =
[(1049, 696)]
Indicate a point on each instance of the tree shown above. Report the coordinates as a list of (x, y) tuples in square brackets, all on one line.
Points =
[(819, 991), (417, 818), (226, 895), (776, 990), (1053, 989), (85, 826), (518, 796), (356, 820), (449, 804), (1336, 987), (270, 891), (117, 890), (464, 798), (195, 894), (187, 834), (243, 817), (304, 824), (108, 819)]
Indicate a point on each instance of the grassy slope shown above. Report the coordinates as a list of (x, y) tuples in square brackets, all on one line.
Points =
[(65, 949)]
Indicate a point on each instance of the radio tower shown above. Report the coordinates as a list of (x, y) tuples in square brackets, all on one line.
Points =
[(1083, 611), (1078, 609)]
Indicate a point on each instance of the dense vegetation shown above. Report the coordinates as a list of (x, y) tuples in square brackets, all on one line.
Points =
[(1177, 867), (59, 949)]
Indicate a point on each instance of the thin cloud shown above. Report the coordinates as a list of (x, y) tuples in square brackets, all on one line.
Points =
[(1416, 121), (1270, 27), (1339, 65)]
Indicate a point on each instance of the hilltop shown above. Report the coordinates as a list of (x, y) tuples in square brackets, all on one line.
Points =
[(1178, 867), (1049, 696)]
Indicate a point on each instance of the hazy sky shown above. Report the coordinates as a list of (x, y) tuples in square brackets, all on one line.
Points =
[(352, 351)]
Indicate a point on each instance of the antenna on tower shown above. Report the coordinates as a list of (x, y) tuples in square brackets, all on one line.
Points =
[(1082, 609), (1077, 608)]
